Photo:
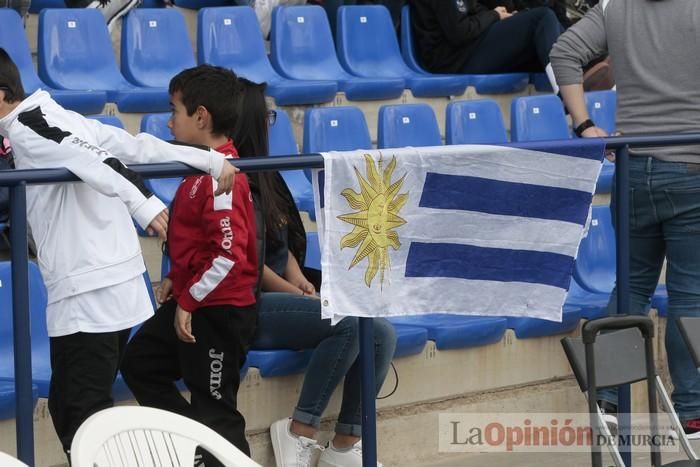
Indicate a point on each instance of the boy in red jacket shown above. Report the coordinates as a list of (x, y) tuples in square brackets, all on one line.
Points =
[(203, 329)]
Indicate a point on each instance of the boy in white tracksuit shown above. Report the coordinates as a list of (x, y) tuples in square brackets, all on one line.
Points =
[(88, 251)]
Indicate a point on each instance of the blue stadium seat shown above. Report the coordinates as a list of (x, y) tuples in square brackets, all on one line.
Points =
[(111, 120), (14, 41), (592, 305), (155, 47), (367, 47), (281, 138), (407, 125), (504, 83), (41, 364), (302, 48), (335, 129), (602, 107), (538, 118), (7, 398), (541, 82), (197, 4), (475, 122), (75, 52), (37, 5), (534, 327), (595, 266), (279, 362), (455, 331), (231, 37), (157, 125), (410, 340), (313, 251)]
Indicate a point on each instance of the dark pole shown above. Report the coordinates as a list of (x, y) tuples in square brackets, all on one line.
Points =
[(369, 393)]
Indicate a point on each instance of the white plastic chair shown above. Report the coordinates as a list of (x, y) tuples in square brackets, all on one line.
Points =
[(147, 437), (7, 460)]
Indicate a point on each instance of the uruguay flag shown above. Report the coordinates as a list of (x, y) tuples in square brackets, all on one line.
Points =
[(474, 230)]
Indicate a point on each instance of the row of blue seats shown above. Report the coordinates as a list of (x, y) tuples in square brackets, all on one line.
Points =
[(155, 46)]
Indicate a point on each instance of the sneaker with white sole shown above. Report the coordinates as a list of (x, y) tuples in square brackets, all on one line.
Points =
[(291, 450), (112, 10), (351, 457)]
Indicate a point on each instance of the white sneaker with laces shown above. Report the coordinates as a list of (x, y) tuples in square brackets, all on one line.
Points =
[(331, 457), (291, 450), (112, 10)]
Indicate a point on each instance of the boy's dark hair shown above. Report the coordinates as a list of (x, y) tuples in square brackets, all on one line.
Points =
[(212, 87), (10, 81)]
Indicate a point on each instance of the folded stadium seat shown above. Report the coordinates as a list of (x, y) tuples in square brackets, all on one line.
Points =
[(155, 47), (37, 5), (602, 107), (538, 118), (534, 327), (456, 331), (231, 37), (410, 340), (474, 122), (367, 47), (313, 251), (157, 125), (502, 83), (75, 52), (541, 82), (407, 125), (281, 139), (595, 266), (14, 41), (7, 398), (302, 48)]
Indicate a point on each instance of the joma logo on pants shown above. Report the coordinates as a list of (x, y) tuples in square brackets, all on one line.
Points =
[(215, 367)]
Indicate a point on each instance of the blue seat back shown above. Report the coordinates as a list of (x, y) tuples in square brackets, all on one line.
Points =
[(407, 125), (407, 41), (538, 118), (75, 50), (475, 122), (14, 41), (197, 4), (37, 5), (281, 136), (302, 45), (335, 129), (602, 108), (155, 46), (595, 264), (108, 120), (231, 37), (313, 251), (156, 125), (367, 44)]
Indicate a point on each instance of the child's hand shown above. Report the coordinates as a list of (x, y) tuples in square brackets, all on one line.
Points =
[(159, 225), (226, 179), (183, 325), (163, 290)]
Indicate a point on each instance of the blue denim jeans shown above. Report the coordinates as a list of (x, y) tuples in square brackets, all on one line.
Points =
[(288, 321), (665, 221)]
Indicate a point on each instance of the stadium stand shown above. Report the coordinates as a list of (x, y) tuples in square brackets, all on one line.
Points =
[(75, 52), (367, 47), (231, 37), (456, 332), (302, 48), (407, 125), (474, 122)]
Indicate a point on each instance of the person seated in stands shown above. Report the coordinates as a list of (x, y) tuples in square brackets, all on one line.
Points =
[(290, 316), (209, 292)]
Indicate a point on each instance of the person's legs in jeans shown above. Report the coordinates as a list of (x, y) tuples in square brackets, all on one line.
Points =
[(519, 43)]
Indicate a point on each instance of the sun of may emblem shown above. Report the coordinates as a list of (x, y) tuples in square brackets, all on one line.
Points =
[(377, 208)]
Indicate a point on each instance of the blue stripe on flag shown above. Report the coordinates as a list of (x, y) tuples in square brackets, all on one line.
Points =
[(585, 148), (489, 264), (459, 192)]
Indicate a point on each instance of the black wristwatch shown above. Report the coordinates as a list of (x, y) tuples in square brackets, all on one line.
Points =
[(583, 127)]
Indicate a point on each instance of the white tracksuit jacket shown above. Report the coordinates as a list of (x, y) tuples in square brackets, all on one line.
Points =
[(83, 231)]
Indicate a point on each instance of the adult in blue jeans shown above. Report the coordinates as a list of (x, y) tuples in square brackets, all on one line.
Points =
[(664, 182), (290, 316)]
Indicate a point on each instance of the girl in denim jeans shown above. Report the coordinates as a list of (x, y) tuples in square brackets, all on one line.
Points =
[(290, 316)]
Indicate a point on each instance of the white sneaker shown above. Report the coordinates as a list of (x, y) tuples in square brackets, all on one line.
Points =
[(331, 457), (291, 450), (112, 10)]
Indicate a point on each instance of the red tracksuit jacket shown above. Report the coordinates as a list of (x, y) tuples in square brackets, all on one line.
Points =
[(212, 242)]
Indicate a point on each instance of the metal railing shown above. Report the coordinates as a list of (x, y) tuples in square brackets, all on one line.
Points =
[(17, 181)]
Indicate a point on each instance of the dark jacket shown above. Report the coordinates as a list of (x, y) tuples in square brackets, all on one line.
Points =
[(445, 30)]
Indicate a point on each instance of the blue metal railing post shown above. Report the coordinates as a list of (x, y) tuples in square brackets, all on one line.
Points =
[(21, 323), (622, 237), (369, 393)]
